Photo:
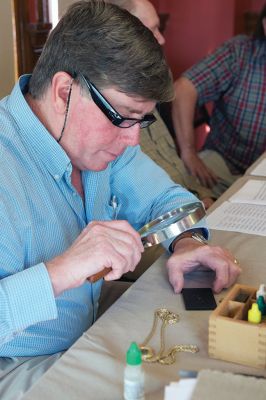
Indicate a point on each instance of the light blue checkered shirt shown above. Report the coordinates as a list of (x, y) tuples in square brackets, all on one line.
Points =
[(41, 214)]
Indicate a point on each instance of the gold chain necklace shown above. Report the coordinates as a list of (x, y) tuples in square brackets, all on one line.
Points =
[(169, 357)]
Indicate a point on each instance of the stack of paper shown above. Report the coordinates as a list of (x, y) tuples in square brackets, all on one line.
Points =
[(253, 192), (217, 385), (182, 389), (244, 212)]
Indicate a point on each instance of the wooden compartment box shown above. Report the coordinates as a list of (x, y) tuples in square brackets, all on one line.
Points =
[(231, 336)]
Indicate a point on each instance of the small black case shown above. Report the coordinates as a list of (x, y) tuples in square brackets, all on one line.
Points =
[(198, 299)]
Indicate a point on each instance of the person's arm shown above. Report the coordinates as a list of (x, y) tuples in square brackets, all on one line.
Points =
[(183, 108), (153, 193), (102, 244), (26, 298), (183, 111)]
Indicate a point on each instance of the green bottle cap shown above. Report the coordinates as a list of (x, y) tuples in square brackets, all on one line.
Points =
[(262, 305), (134, 355)]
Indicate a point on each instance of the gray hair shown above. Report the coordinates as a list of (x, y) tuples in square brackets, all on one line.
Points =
[(109, 46)]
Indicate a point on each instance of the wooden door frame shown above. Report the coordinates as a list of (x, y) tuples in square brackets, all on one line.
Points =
[(32, 27)]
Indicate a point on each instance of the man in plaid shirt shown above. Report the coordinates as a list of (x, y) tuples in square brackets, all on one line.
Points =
[(234, 79)]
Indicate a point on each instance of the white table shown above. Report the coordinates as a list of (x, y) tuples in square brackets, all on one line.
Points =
[(93, 367)]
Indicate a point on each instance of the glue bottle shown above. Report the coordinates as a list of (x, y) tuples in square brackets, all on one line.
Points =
[(254, 314), (134, 374)]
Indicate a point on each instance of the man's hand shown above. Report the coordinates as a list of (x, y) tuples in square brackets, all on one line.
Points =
[(189, 255), (208, 202), (197, 168), (101, 244)]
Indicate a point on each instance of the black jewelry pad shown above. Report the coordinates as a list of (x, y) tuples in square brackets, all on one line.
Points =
[(198, 299)]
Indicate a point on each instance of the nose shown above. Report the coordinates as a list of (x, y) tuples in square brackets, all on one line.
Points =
[(131, 136)]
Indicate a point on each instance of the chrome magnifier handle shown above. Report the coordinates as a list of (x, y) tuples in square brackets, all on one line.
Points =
[(168, 226)]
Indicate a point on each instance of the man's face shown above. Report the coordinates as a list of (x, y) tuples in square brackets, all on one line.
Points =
[(90, 139), (148, 16)]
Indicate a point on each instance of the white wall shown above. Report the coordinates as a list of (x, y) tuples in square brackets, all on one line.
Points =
[(7, 64)]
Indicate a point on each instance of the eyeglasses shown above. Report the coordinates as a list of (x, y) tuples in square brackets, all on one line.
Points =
[(111, 113)]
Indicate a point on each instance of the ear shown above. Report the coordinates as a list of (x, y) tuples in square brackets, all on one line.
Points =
[(59, 91), (264, 25)]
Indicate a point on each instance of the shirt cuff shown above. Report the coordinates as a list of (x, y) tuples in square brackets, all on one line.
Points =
[(204, 231), (30, 296)]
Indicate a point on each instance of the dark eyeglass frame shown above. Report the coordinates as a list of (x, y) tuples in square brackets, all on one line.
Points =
[(109, 111)]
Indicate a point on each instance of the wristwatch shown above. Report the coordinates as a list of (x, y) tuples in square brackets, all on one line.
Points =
[(196, 235), (199, 237)]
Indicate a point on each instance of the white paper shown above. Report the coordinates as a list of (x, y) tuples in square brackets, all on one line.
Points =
[(252, 192), (239, 217), (182, 389), (260, 169)]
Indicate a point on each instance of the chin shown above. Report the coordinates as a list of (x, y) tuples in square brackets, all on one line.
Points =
[(98, 163), (98, 168)]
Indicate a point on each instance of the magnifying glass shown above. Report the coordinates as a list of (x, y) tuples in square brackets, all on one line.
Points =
[(168, 226)]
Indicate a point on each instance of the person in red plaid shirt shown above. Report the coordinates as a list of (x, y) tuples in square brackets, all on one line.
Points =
[(233, 78)]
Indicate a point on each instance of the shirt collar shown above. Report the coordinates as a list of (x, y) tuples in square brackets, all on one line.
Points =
[(33, 133)]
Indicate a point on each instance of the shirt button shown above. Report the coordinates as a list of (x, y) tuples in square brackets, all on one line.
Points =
[(56, 177)]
